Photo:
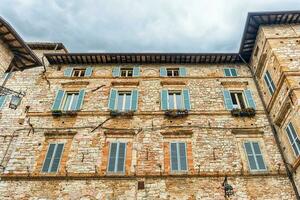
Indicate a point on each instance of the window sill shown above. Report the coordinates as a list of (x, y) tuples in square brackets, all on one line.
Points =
[(176, 113), (115, 113), (246, 112), (58, 113)]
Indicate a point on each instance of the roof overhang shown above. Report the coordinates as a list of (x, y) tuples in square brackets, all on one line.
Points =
[(141, 58), (47, 46), (256, 19), (23, 56)]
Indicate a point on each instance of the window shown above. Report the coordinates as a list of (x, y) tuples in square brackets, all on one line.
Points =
[(269, 82), (178, 156), (68, 101), (78, 72), (123, 100), (126, 72), (293, 138), (53, 157), (117, 156), (2, 100), (237, 98), (175, 100), (255, 158), (172, 72), (230, 72)]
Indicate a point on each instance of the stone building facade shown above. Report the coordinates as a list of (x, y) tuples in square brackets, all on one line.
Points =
[(151, 126)]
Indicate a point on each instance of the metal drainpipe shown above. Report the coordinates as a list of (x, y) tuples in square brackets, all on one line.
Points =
[(274, 131)]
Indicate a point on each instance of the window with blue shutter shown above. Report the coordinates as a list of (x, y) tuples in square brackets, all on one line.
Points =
[(293, 138), (250, 100), (186, 97), (58, 100), (254, 155), (116, 72), (117, 157), (112, 99), (182, 71), (164, 99), (80, 100), (68, 71), (53, 157), (136, 71), (178, 156), (163, 71), (134, 100), (269, 82), (230, 72), (2, 100), (227, 100), (88, 71)]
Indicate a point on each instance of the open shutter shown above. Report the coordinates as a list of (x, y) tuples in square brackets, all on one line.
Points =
[(58, 100), (233, 72), (182, 156), (112, 99), (112, 157), (116, 72), (174, 158), (134, 100), (182, 71), (186, 98), (163, 71), (227, 100), (121, 157), (250, 99), (164, 99), (88, 71), (48, 158), (136, 71), (2, 100), (57, 156), (80, 99), (68, 71)]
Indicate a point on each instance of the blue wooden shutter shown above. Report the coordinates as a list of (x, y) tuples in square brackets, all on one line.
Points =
[(7, 75), (116, 72), (48, 158), (136, 71), (2, 100), (58, 100), (227, 100), (112, 99), (112, 157), (174, 158), (250, 99), (227, 72), (68, 71), (182, 71), (57, 156), (134, 100), (182, 156), (163, 71), (233, 72), (80, 99), (164, 99), (186, 98), (121, 157), (88, 71)]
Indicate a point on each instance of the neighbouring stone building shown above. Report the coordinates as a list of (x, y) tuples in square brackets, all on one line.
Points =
[(153, 125)]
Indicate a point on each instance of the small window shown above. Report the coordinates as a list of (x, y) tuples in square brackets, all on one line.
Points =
[(70, 101), (254, 155), (293, 138), (124, 101), (269, 82), (78, 72), (230, 72), (117, 156), (126, 72), (2, 100), (178, 156), (173, 72), (238, 100), (175, 100), (53, 157)]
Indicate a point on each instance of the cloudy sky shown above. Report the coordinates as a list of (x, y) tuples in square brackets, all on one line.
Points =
[(137, 25)]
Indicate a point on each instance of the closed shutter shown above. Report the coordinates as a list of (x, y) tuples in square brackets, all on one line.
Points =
[(68, 71), (233, 72), (116, 72), (88, 71), (134, 100), (250, 99), (2, 100), (186, 98), (57, 156), (80, 99), (254, 156), (117, 157), (112, 99), (164, 99), (227, 100), (48, 158), (58, 100), (112, 157), (182, 71), (121, 157), (182, 156), (136, 71), (227, 72), (174, 157), (163, 71)]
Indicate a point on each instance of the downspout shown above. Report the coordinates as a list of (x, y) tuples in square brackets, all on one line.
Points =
[(274, 131)]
